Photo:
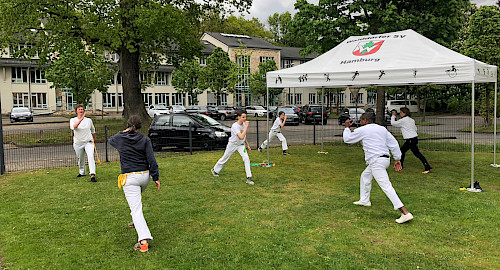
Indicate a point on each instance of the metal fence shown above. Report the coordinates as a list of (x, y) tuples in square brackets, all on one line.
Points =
[(28, 149)]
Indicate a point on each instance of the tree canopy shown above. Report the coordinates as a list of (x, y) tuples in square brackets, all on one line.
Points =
[(220, 74), (186, 79), (235, 25)]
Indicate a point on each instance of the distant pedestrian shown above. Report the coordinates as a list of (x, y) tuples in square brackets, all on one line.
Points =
[(409, 131), (83, 141), (278, 124), (138, 164), (377, 142), (237, 142)]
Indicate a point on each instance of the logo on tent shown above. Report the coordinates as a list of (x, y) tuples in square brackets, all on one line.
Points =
[(367, 47), (452, 72)]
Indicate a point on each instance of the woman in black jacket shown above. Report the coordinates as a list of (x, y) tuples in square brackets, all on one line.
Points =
[(138, 164)]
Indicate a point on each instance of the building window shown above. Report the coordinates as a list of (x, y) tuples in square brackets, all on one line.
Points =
[(312, 98), (20, 100), (161, 78), (286, 63), (303, 61), (223, 99), (298, 99), (19, 75), (39, 100), (371, 97), (203, 60), (243, 64), (148, 99), (119, 78), (18, 47), (145, 78), (108, 100), (37, 76), (265, 58), (120, 100), (162, 98), (179, 99), (360, 98)]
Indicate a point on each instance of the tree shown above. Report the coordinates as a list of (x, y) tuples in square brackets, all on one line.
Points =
[(258, 86), (235, 25), (220, 74), (80, 70), (482, 43), (280, 26), (331, 21), (186, 79), (143, 33)]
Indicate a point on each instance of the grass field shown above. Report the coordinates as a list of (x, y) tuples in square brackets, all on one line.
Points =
[(299, 215)]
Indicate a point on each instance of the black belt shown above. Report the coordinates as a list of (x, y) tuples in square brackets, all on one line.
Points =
[(386, 156)]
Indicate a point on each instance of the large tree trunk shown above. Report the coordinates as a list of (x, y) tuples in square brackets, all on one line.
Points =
[(134, 104), (380, 105)]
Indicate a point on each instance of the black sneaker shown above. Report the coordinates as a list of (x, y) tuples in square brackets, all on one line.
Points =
[(92, 179), (285, 153), (477, 186), (80, 175), (260, 149)]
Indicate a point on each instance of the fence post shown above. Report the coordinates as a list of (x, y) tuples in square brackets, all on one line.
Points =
[(190, 138), (2, 158), (106, 141), (258, 133), (314, 131)]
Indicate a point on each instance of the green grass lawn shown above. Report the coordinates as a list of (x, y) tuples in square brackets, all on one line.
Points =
[(299, 215)]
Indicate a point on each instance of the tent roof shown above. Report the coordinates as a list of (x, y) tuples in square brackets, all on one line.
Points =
[(397, 58)]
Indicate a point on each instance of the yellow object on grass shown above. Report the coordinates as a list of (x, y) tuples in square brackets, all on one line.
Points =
[(122, 178)]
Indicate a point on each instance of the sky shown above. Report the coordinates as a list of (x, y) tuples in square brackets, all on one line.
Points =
[(262, 9)]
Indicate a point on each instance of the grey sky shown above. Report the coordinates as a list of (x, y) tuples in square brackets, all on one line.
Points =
[(262, 9)]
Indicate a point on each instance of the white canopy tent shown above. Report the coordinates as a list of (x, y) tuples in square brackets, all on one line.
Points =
[(390, 59)]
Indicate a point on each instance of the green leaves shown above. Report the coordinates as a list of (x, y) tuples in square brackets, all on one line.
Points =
[(186, 79), (220, 74)]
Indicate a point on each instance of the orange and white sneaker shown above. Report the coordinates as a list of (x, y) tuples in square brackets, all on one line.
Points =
[(141, 247)]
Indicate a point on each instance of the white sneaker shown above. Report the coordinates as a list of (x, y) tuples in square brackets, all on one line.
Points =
[(404, 218), (362, 203), (213, 172), (249, 181)]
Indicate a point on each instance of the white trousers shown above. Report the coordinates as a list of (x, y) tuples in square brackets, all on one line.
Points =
[(230, 149), (272, 134), (136, 184), (377, 168), (80, 150)]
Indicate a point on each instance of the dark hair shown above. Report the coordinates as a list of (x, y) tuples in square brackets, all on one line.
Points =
[(79, 106), (134, 122), (239, 113), (405, 110), (368, 117), (280, 113)]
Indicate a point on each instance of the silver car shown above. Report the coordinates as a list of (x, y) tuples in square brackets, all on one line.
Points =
[(21, 114)]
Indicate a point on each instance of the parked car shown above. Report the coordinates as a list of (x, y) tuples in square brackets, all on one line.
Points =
[(157, 109), (21, 114), (351, 113), (271, 110), (312, 113), (173, 130), (177, 109), (226, 112), (292, 118), (239, 109), (391, 105), (257, 111), (206, 110)]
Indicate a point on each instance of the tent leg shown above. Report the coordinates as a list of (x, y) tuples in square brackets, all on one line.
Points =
[(495, 130), (267, 128), (322, 122), (472, 141)]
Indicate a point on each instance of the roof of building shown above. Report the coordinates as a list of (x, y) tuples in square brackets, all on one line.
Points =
[(208, 48), (293, 53), (233, 40)]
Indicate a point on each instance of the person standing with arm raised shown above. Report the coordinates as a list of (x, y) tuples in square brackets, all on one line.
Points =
[(83, 137), (377, 141)]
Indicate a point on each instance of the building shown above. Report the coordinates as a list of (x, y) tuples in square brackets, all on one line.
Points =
[(22, 84)]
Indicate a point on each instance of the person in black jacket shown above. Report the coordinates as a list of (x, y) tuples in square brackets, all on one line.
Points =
[(138, 164)]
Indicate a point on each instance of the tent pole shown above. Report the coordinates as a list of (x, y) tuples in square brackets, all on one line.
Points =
[(472, 139), (267, 127), (495, 129), (322, 122)]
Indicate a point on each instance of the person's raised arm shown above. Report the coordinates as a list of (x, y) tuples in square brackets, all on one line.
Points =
[(393, 120), (284, 121), (79, 121), (243, 133), (348, 135)]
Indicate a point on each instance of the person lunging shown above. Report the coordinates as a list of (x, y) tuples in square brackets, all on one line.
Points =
[(377, 142), (138, 165), (278, 124), (237, 142), (409, 131)]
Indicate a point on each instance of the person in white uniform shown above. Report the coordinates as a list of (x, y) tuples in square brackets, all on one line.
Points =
[(409, 131), (83, 141), (276, 132), (237, 142), (377, 142)]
